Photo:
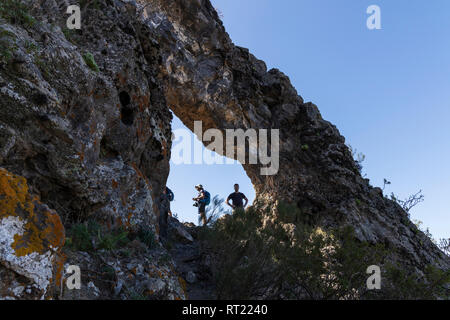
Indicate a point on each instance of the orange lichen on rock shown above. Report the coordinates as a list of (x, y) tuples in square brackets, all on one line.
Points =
[(143, 101), (140, 174), (183, 285), (32, 233), (59, 270), (81, 153), (129, 217), (164, 148), (43, 228), (13, 194)]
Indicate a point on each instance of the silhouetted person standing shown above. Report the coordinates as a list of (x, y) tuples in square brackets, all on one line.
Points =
[(203, 199), (237, 198), (170, 195), (163, 205)]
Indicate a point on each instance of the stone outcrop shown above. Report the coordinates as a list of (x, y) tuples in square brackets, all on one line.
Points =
[(192, 262), (134, 273), (85, 119), (208, 78), (31, 236), (90, 143)]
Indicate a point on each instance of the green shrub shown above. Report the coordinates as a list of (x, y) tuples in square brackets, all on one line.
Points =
[(91, 236), (69, 34), (30, 47), (7, 46), (113, 240), (214, 211), (108, 272), (300, 261), (6, 53), (289, 213), (406, 285), (80, 238), (90, 61), (240, 253), (43, 67), (137, 296), (164, 259), (16, 12), (147, 237)]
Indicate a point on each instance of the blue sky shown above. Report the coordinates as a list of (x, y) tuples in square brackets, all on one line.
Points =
[(387, 91)]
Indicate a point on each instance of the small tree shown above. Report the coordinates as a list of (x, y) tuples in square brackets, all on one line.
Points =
[(219, 13), (214, 211), (358, 157), (410, 202), (444, 245)]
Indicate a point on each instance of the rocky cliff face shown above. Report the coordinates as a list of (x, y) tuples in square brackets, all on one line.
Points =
[(207, 77), (85, 119)]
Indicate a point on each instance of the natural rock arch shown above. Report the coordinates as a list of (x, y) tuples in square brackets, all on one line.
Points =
[(96, 143), (206, 77)]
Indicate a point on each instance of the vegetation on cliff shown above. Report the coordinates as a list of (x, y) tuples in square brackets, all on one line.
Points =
[(290, 259)]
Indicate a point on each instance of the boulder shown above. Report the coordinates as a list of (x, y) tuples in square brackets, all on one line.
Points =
[(179, 232), (31, 236)]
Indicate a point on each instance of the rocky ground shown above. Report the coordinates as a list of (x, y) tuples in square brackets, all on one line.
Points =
[(190, 260), (135, 271)]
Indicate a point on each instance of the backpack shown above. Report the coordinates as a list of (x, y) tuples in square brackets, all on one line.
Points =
[(170, 194), (207, 199)]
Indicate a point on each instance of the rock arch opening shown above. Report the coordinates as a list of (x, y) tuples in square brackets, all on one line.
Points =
[(215, 172)]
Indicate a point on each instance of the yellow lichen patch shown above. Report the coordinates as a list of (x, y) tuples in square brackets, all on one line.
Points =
[(141, 130), (149, 293), (13, 194), (143, 101), (164, 148), (129, 217), (124, 198), (122, 78), (92, 128), (43, 229), (119, 222), (81, 153), (183, 285), (140, 174), (59, 266)]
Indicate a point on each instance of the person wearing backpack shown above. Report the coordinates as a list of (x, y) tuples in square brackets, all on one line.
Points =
[(203, 199), (164, 211), (170, 196)]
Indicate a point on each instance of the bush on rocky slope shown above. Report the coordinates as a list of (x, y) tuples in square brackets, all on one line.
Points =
[(90, 236), (298, 261), (16, 12)]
